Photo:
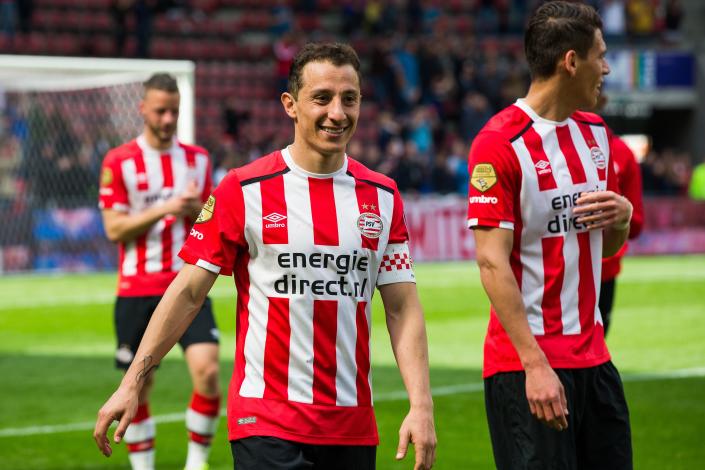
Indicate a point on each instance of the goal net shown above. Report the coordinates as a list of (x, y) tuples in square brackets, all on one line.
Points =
[(59, 116)]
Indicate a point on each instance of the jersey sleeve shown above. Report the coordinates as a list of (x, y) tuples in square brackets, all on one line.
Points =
[(629, 179), (208, 181), (112, 193), (218, 233), (494, 180), (396, 264)]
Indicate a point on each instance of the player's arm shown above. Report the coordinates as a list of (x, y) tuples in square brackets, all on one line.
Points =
[(544, 390), (608, 211), (124, 227), (178, 307), (407, 331)]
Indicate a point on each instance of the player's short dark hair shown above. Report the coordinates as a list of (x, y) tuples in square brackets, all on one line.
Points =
[(336, 53), (556, 28), (161, 81)]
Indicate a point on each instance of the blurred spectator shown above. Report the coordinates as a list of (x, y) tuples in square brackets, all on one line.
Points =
[(475, 112), (666, 173), (119, 9), (285, 48), (696, 188), (8, 19), (641, 17), (672, 21), (25, 10), (234, 116), (282, 18)]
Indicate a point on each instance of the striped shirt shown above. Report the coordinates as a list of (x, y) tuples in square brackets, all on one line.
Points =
[(306, 251), (525, 175), (136, 177)]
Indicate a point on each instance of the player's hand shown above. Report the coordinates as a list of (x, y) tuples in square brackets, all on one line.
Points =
[(121, 407), (602, 209), (546, 397), (419, 430), (185, 204)]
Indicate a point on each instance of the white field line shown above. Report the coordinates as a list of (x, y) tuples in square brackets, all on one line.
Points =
[(382, 397), (54, 298)]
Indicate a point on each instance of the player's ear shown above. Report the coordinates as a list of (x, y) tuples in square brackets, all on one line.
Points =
[(289, 103), (141, 107), (569, 63)]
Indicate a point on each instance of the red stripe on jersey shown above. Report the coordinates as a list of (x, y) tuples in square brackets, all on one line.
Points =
[(591, 144), (325, 329), (275, 229), (367, 201), (141, 246), (190, 159), (141, 173), (553, 273), (362, 357), (542, 164), (276, 347), (325, 220), (167, 237), (586, 284), (575, 166)]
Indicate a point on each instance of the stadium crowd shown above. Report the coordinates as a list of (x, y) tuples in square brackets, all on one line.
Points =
[(433, 74)]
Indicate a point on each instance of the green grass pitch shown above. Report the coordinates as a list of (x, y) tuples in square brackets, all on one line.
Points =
[(56, 368)]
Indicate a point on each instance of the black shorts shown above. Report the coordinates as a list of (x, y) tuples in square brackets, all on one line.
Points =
[(132, 315), (271, 453), (598, 435)]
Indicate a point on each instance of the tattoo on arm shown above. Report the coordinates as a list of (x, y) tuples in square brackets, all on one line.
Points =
[(147, 367)]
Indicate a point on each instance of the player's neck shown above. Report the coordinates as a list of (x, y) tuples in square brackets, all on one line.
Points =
[(156, 143), (549, 100), (314, 161)]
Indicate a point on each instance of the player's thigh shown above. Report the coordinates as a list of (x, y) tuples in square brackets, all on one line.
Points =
[(519, 440), (131, 316), (269, 453), (345, 457), (202, 329), (606, 442)]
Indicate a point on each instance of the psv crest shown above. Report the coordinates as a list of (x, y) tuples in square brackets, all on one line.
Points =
[(598, 158), (370, 225)]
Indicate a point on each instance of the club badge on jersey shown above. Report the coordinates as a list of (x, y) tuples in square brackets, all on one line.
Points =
[(207, 211)]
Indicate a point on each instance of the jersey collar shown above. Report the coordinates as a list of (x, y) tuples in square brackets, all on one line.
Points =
[(286, 155)]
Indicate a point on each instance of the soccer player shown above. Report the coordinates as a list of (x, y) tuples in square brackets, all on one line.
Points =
[(308, 233), (544, 207), (152, 189), (629, 176)]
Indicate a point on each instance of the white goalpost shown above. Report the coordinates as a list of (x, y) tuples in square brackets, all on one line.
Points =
[(58, 118), (20, 73)]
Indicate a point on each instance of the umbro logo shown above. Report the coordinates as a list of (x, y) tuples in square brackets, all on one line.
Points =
[(543, 167), (274, 220)]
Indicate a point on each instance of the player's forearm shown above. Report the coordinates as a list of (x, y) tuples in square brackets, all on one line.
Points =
[(123, 228), (505, 296), (407, 331), (175, 312), (613, 238)]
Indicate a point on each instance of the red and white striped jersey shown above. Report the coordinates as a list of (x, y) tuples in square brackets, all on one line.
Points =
[(306, 251), (525, 175), (135, 177)]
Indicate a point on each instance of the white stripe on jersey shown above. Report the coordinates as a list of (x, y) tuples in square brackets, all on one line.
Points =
[(253, 384), (345, 384), (570, 316), (301, 357), (155, 178)]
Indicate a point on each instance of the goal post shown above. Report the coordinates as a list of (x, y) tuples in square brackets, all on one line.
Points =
[(22, 73), (58, 118)]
